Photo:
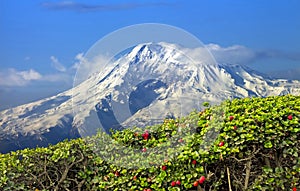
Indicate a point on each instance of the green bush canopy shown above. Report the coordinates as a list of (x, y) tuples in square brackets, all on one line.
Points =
[(243, 144)]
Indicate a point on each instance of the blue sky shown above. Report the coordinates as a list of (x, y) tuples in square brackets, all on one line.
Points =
[(40, 40)]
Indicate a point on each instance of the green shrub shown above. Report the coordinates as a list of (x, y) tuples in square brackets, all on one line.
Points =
[(243, 144)]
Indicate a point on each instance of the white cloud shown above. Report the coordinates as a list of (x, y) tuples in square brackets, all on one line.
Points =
[(235, 54), (214, 53), (12, 77), (57, 65), (29, 75), (79, 58), (238, 54), (84, 67)]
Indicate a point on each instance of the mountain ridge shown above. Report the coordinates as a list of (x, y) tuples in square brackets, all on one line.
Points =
[(162, 70)]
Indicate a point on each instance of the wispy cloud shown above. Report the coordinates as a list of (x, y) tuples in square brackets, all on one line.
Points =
[(85, 68), (238, 54), (84, 7), (57, 65), (12, 77)]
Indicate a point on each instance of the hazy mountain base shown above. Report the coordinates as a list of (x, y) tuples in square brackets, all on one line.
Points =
[(260, 151)]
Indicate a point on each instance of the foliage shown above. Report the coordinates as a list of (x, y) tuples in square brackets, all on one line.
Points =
[(243, 144)]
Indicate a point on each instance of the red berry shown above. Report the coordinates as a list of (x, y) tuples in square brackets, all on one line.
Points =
[(117, 173), (180, 140), (195, 183), (202, 179), (148, 189), (134, 178), (231, 118), (173, 183), (145, 136), (164, 168), (235, 127), (294, 189), (290, 117), (144, 150), (221, 144), (194, 162), (178, 182)]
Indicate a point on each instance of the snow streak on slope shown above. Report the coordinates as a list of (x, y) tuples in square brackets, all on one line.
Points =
[(149, 83)]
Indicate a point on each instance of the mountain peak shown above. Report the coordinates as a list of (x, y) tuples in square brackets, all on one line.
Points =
[(152, 81), (150, 50)]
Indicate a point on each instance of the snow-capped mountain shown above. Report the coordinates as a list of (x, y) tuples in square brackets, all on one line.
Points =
[(151, 82)]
